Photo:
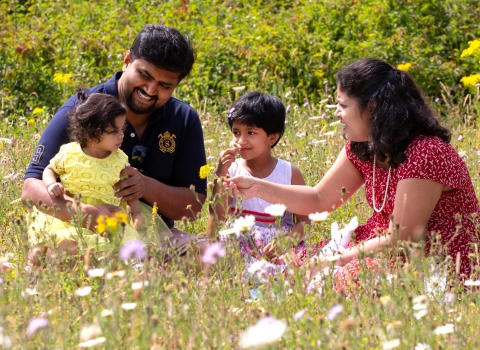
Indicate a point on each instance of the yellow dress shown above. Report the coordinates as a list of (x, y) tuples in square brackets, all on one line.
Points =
[(93, 179)]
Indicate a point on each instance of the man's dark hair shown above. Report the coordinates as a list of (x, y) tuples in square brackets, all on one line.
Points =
[(260, 110), (165, 47), (93, 116), (399, 109)]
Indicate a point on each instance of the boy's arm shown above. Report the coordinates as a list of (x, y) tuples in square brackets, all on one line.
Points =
[(221, 199)]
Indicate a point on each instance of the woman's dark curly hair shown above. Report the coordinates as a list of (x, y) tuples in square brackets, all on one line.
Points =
[(399, 110), (93, 116)]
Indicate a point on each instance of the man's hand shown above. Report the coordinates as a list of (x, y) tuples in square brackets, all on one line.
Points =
[(131, 188)]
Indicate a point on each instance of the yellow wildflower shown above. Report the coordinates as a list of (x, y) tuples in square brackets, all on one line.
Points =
[(121, 217), (405, 66), (473, 49), (471, 80), (62, 78), (101, 224), (155, 208), (37, 111), (31, 122), (205, 170), (112, 224)]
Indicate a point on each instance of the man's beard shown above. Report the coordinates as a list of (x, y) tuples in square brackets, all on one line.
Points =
[(133, 107)]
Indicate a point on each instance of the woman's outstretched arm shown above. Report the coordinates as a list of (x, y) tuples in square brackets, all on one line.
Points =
[(340, 182)]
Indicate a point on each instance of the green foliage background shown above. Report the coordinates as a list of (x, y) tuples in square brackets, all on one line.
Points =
[(268, 45)]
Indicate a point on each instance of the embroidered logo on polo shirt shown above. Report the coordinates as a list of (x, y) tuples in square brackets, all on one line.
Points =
[(166, 142), (38, 154)]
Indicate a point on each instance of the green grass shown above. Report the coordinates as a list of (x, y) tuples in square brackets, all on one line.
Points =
[(203, 311)]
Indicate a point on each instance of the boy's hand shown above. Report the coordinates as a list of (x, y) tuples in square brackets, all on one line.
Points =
[(56, 189), (227, 157)]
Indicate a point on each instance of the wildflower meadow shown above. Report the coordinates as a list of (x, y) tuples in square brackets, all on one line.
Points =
[(289, 48)]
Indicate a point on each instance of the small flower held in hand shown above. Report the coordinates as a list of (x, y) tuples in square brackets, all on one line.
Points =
[(212, 252), (35, 324), (134, 249), (267, 330)]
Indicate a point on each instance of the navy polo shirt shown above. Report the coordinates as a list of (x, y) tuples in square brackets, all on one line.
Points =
[(173, 141)]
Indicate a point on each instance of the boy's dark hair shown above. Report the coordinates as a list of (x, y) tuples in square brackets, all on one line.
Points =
[(399, 109), (93, 116), (165, 47), (260, 110)]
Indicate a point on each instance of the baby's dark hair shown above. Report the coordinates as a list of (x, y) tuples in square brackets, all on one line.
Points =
[(261, 111), (93, 116)]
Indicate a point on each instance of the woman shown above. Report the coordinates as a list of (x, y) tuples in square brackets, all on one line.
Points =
[(398, 150)]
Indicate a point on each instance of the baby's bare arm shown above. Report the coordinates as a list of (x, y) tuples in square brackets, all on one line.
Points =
[(49, 179)]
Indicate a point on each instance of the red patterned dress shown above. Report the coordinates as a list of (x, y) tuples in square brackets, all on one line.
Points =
[(427, 158)]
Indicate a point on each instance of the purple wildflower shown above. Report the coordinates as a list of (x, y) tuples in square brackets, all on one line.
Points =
[(210, 157), (449, 297), (437, 100), (287, 109), (211, 253), (35, 324), (334, 312), (134, 249), (305, 104)]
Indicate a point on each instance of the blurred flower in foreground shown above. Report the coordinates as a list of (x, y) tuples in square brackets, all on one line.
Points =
[(129, 306), (96, 273), (267, 330), (89, 332), (276, 209), (205, 170), (242, 224), (212, 252), (392, 344), (92, 342), (471, 283), (134, 249), (35, 324), (261, 268), (422, 346), (299, 315), (448, 328), (334, 312), (5, 340), (82, 292), (317, 217)]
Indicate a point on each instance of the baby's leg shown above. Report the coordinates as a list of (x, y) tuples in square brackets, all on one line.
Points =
[(36, 256), (65, 255)]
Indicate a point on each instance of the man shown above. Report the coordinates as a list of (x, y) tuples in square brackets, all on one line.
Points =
[(163, 138)]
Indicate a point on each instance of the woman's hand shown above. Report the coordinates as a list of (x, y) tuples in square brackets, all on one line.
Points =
[(244, 187)]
